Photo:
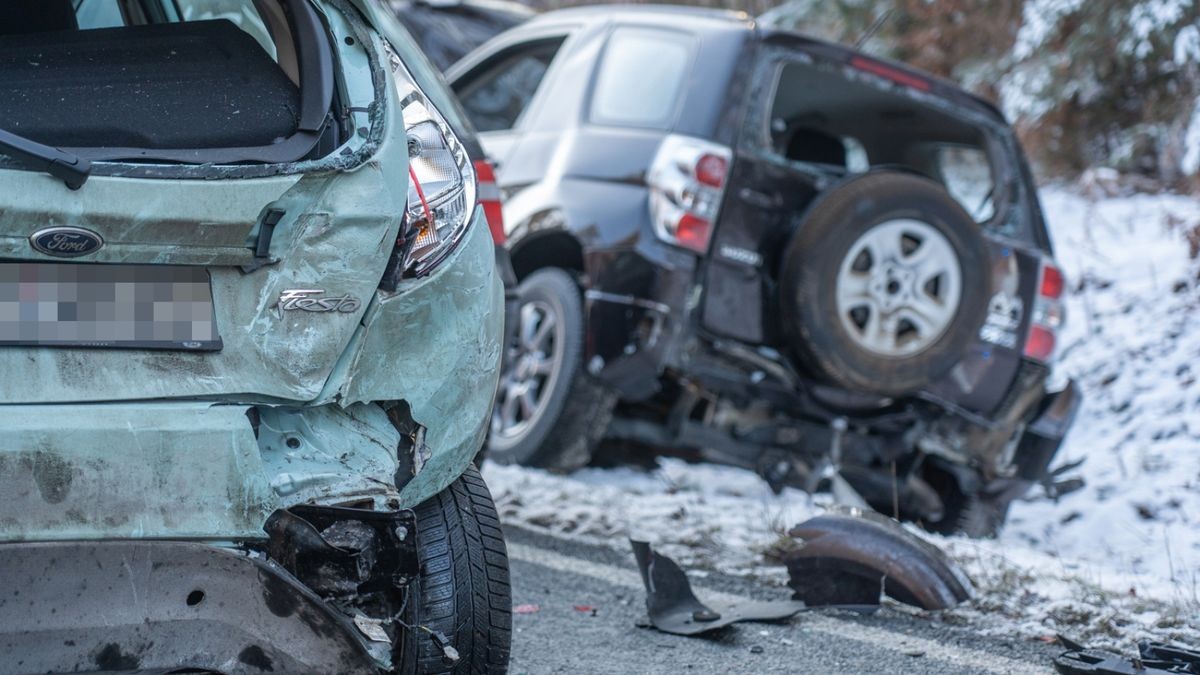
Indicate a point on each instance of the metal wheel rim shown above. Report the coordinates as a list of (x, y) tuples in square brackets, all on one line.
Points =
[(898, 288), (534, 365)]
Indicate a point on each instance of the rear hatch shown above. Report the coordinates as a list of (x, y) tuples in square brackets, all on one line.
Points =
[(818, 112), (201, 256)]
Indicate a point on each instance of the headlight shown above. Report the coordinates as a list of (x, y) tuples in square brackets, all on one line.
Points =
[(441, 180)]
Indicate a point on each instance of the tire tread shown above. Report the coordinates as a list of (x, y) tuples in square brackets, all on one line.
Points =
[(464, 588)]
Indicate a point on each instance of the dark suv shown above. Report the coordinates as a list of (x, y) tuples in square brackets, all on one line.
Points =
[(761, 249)]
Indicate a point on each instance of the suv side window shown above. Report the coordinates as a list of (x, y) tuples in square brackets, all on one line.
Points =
[(640, 78), (501, 89)]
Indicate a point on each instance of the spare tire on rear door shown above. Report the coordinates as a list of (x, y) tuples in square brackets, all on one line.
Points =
[(885, 283)]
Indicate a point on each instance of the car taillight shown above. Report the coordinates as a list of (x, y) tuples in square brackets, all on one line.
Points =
[(1047, 315), (441, 179), (687, 182), (489, 199), (1052, 282)]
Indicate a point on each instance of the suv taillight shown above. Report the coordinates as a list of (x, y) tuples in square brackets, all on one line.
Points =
[(488, 193), (687, 182), (1047, 314)]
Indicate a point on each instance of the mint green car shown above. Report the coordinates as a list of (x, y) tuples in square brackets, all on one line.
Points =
[(250, 330)]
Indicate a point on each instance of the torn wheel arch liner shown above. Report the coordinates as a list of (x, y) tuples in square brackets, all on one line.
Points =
[(851, 558)]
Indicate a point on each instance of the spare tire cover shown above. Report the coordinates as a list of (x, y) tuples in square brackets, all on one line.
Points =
[(885, 283)]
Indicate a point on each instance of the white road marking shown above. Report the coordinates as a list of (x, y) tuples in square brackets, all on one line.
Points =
[(817, 623)]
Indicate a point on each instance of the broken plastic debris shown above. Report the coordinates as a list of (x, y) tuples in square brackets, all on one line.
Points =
[(372, 629), (450, 655), (846, 559), (1154, 658), (674, 608), (526, 609)]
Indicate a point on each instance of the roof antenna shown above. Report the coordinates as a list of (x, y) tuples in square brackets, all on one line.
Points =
[(873, 29)]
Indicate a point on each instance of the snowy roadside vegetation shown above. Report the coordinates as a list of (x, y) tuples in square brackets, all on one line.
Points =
[(1116, 561)]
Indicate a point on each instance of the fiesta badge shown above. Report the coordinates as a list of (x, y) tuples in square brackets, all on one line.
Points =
[(66, 242)]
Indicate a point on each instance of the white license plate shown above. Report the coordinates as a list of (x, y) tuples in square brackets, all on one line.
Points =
[(130, 306)]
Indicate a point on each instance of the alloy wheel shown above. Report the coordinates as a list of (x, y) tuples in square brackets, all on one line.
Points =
[(898, 288), (534, 364)]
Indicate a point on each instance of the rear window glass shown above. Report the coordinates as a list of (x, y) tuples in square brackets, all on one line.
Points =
[(238, 12), (641, 77), (822, 118), (91, 14), (98, 14), (187, 81)]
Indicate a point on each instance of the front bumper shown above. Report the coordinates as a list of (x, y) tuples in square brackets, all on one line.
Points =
[(145, 606)]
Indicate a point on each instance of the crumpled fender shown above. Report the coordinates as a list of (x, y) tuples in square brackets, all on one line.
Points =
[(847, 558)]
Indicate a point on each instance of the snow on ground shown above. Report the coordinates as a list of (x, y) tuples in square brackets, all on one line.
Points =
[(1116, 561)]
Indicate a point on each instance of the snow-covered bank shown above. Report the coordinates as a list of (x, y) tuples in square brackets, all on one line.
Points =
[(1117, 560)]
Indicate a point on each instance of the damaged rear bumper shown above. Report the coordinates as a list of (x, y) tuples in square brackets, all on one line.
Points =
[(185, 471), (148, 605), (1042, 438)]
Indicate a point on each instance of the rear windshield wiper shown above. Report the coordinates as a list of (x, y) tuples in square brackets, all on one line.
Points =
[(70, 169)]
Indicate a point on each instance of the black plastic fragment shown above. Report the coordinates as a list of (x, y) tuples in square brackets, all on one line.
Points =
[(674, 608), (262, 246), (850, 559), (1154, 658)]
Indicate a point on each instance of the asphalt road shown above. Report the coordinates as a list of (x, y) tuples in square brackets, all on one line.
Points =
[(559, 575)]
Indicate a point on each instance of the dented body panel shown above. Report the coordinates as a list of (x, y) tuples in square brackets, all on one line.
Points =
[(247, 508), (127, 471), (335, 235), (160, 444), (195, 470), (446, 370)]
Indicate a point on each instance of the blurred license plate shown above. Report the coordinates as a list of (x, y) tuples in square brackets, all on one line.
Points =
[(134, 306)]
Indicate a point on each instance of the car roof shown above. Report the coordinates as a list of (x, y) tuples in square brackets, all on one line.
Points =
[(691, 17), (942, 86), (711, 19), (516, 9)]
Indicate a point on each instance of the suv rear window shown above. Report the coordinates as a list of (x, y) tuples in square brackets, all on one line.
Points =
[(824, 117), (640, 78)]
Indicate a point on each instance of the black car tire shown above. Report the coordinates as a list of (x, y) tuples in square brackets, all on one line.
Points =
[(463, 590), (814, 259), (577, 408)]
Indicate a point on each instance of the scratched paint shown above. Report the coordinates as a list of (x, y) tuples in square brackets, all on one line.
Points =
[(118, 443)]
